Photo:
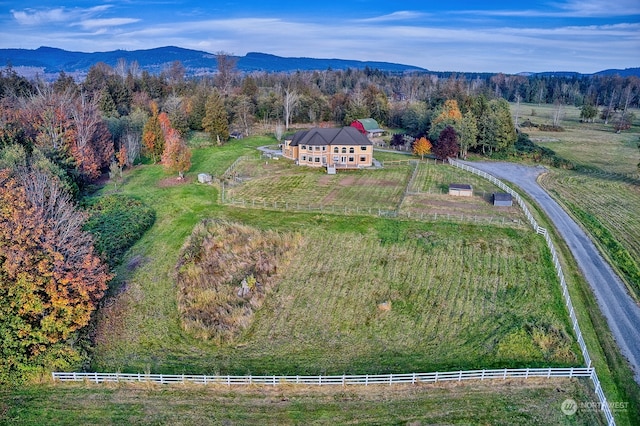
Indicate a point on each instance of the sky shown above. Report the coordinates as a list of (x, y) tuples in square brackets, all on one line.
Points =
[(471, 36)]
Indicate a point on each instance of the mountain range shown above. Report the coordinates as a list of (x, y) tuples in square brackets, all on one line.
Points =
[(48, 62)]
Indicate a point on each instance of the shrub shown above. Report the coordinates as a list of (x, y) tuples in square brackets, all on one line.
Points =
[(117, 222)]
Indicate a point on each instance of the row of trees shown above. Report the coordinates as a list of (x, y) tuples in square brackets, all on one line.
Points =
[(481, 125), (230, 102)]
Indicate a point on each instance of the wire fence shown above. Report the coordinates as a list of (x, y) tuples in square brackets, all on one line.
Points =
[(341, 380), (558, 267), (371, 211)]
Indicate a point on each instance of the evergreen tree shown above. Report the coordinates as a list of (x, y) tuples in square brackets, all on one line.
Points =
[(216, 121)]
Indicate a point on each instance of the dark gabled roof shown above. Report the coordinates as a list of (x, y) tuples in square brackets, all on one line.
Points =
[(501, 196), (329, 136), (460, 186)]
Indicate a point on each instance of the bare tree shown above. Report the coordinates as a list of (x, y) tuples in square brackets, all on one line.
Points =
[(132, 143), (49, 110), (226, 64), (86, 116), (121, 69), (56, 208), (244, 114), (279, 131), (557, 113), (134, 69), (291, 99)]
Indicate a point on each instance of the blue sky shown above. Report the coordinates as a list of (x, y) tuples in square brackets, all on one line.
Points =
[(502, 36)]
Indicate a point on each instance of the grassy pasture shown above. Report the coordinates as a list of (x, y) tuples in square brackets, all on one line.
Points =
[(295, 187), (139, 327), (615, 204), (605, 186), (593, 146), (512, 402), (459, 297), (283, 182), (428, 195)]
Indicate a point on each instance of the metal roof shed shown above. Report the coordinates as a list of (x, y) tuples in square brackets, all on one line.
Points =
[(502, 199)]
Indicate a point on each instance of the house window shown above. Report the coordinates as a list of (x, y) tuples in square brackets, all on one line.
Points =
[(304, 158), (363, 159), (344, 150), (324, 148), (351, 150), (351, 159), (317, 148), (316, 159), (335, 150), (363, 148)]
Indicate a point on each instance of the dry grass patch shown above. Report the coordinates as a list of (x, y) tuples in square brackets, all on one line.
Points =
[(224, 272)]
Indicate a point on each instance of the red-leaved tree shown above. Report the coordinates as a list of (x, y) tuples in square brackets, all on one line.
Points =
[(447, 144)]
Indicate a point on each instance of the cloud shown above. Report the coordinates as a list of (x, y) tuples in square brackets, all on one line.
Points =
[(101, 23), (402, 15), (599, 8), (568, 9), (33, 17)]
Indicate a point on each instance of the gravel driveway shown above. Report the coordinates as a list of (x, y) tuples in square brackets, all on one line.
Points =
[(621, 312)]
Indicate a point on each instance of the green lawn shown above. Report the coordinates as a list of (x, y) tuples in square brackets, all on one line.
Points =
[(496, 402)]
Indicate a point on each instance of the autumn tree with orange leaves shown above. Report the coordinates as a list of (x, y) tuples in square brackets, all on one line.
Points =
[(176, 156), (50, 278), (152, 135), (446, 115), (421, 147)]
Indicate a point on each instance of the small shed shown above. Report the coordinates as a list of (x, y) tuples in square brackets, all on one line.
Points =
[(502, 199), (204, 178), (461, 189)]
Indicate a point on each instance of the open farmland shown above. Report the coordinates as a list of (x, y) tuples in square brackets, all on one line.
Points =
[(399, 187), (603, 193), (496, 283), (373, 296), (593, 146), (613, 204), (283, 182)]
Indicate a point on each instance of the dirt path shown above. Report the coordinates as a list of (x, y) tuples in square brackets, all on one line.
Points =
[(621, 312)]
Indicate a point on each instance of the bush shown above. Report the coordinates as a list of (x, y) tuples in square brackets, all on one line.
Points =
[(525, 148), (117, 222)]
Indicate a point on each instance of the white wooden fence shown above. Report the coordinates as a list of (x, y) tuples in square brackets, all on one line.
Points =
[(556, 263), (343, 380)]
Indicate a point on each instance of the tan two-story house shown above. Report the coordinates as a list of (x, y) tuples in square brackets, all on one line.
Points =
[(344, 148)]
